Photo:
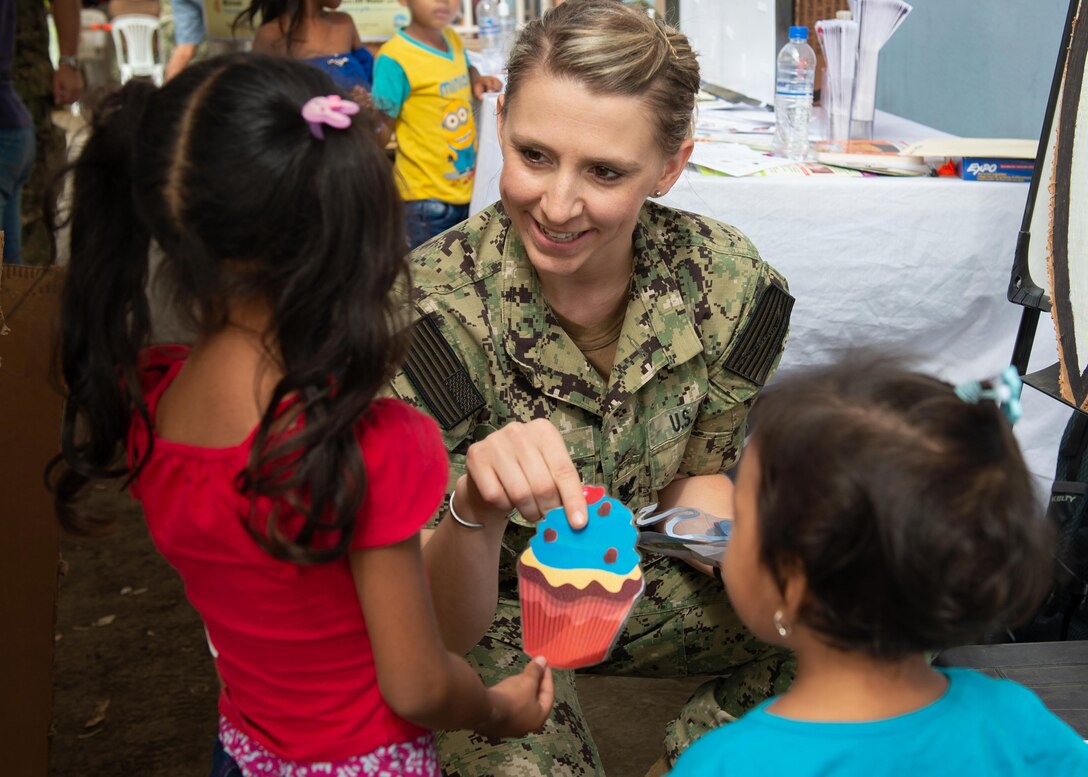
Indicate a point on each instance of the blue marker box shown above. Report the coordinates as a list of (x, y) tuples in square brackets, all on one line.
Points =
[(996, 169)]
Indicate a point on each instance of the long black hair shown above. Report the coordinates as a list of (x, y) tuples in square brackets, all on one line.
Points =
[(220, 169), (910, 511)]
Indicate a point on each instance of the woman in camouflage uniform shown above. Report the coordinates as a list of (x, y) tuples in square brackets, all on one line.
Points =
[(578, 332)]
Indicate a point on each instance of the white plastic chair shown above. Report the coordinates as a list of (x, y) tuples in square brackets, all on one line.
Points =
[(134, 42)]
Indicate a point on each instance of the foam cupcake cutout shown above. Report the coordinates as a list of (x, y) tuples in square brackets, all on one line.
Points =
[(578, 587)]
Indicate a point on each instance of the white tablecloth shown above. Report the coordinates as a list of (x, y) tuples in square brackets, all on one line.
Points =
[(916, 266)]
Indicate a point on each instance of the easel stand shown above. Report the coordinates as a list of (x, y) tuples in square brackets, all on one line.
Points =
[(1056, 671)]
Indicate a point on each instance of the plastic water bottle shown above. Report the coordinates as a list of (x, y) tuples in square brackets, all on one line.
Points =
[(490, 35), (793, 95), (508, 26)]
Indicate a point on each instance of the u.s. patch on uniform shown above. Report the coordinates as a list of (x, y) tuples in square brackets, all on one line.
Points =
[(439, 376), (759, 344)]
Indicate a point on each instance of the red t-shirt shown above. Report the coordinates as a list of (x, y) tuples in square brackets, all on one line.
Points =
[(294, 654)]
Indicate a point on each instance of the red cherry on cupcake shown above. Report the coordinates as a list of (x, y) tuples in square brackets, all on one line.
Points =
[(593, 494)]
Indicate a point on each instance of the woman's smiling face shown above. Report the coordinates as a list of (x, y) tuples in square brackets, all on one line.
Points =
[(577, 167)]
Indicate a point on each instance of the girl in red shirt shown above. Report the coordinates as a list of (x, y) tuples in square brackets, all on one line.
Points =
[(289, 497)]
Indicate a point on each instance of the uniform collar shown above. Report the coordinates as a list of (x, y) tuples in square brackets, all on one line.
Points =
[(657, 330)]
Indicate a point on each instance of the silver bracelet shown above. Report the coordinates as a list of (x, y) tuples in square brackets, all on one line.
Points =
[(459, 519)]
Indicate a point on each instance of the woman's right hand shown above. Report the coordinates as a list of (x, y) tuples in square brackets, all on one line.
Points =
[(523, 466), (520, 704)]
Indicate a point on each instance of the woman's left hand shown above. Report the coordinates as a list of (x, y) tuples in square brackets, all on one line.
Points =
[(711, 495)]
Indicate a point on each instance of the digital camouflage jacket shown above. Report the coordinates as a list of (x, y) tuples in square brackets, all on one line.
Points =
[(704, 330)]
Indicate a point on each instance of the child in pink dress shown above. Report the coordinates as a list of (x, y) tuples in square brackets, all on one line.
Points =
[(288, 496)]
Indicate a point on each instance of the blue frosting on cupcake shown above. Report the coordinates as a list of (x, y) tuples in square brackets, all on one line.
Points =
[(606, 543)]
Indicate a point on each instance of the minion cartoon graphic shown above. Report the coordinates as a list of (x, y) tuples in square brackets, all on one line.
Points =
[(460, 135)]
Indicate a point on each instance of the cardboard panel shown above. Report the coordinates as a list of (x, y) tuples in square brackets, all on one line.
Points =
[(1067, 271), (30, 419)]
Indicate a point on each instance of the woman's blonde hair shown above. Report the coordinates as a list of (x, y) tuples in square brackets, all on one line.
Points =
[(612, 48)]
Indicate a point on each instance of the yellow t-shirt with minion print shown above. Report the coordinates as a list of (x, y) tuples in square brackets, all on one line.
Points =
[(429, 94)]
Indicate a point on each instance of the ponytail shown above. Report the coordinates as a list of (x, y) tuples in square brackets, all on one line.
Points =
[(104, 308), (221, 170)]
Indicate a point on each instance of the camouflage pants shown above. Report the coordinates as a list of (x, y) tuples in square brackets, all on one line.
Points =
[(683, 625)]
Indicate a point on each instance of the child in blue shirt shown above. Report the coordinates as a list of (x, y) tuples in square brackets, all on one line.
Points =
[(314, 32), (879, 516)]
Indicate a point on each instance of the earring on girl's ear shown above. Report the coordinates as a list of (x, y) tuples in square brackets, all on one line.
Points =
[(783, 629), (658, 193)]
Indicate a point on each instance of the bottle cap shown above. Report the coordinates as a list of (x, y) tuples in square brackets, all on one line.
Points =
[(844, 15), (799, 32)]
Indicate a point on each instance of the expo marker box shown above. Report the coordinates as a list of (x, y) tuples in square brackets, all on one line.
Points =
[(996, 169)]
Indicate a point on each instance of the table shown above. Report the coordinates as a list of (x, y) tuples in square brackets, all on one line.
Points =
[(913, 266)]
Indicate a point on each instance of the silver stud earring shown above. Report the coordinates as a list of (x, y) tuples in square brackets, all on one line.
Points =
[(657, 193), (783, 628)]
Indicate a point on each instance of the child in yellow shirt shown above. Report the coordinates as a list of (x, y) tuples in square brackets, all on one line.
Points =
[(424, 84)]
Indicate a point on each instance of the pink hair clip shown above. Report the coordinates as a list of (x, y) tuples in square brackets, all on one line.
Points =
[(333, 110)]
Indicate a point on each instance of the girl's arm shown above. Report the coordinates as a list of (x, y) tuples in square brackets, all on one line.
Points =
[(356, 41), (422, 681)]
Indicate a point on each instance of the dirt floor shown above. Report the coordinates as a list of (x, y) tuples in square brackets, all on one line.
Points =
[(134, 687), (135, 691)]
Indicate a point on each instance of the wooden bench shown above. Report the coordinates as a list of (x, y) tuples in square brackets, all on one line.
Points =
[(1056, 671)]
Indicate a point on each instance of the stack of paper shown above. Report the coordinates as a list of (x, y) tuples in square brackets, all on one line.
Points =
[(884, 157), (1005, 148)]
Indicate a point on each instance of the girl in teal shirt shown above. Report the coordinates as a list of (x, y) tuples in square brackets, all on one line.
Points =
[(878, 517)]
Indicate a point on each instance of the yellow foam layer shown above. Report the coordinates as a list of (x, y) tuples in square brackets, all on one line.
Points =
[(579, 578)]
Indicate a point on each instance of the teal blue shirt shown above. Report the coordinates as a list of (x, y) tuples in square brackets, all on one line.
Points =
[(980, 726)]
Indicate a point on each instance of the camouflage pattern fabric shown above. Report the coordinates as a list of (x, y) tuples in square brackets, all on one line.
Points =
[(670, 408), (32, 75), (683, 625)]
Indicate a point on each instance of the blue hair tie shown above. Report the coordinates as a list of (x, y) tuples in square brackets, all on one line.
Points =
[(1005, 391)]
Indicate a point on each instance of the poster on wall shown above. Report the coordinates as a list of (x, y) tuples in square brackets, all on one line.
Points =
[(220, 15), (376, 20)]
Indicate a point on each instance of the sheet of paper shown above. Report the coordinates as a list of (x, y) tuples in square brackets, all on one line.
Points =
[(1011, 148), (719, 104), (663, 544), (684, 532), (721, 124), (732, 158)]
